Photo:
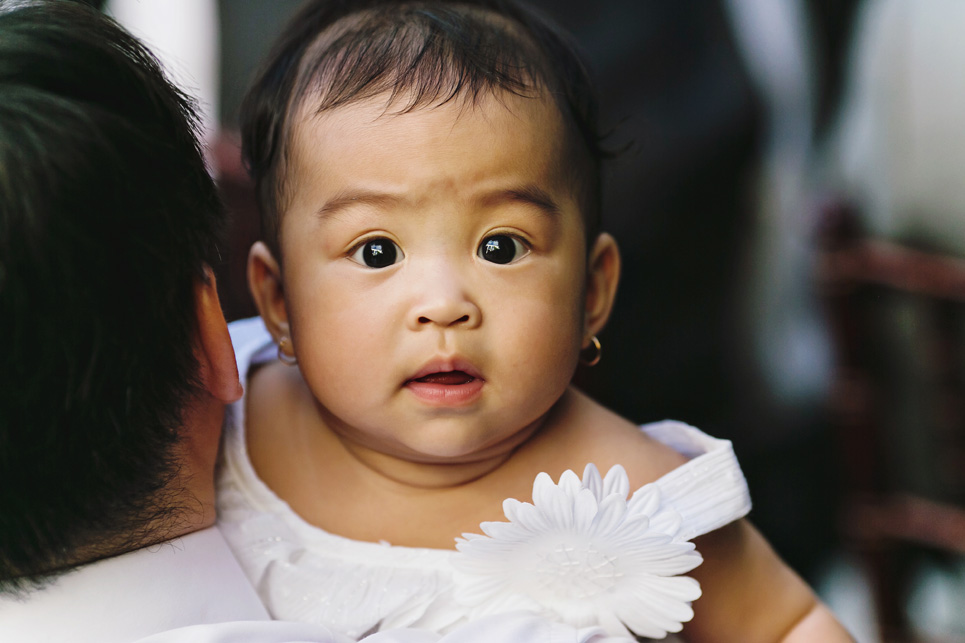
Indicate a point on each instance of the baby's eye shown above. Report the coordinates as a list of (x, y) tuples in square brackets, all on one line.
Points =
[(502, 248), (377, 253)]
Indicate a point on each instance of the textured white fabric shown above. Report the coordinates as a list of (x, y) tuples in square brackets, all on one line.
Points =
[(504, 628), (154, 592), (191, 590), (303, 573)]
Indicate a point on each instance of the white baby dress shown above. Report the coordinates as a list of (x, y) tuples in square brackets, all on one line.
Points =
[(585, 551)]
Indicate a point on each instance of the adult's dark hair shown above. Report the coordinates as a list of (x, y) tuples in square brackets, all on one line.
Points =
[(107, 220), (423, 53)]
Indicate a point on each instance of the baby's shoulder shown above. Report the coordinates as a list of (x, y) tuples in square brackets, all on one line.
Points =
[(589, 432), (698, 474)]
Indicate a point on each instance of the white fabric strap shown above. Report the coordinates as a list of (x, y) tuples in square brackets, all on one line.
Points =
[(709, 491)]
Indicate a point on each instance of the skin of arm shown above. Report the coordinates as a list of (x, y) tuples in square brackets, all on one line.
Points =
[(745, 582)]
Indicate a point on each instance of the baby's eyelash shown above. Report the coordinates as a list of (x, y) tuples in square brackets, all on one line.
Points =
[(503, 248), (376, 252)]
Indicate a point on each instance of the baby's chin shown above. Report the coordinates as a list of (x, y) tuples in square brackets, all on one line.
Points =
[(452, 453), (435, 462)]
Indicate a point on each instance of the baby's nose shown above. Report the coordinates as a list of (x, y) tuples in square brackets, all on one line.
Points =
[(446, 312), (444, 301)]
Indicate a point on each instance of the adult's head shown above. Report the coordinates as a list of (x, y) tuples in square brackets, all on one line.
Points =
[(115, 362), (424, 53)]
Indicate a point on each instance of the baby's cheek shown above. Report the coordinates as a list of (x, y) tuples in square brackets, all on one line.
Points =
[(547, 340)]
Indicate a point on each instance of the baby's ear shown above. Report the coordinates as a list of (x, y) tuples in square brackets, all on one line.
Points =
[(265, 284), (603, 275)]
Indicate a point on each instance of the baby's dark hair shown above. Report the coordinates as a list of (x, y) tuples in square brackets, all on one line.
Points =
[(422, 53)]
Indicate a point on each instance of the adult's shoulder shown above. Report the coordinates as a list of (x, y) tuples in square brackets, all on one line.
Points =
[(248, 632)]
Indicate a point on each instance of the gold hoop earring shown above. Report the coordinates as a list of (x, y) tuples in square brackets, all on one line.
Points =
[(283, 357), (594, 358)]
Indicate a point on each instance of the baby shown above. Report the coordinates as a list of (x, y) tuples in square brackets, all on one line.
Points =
[(432, 272)]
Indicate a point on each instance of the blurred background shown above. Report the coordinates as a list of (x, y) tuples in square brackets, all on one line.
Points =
[(790, 204)]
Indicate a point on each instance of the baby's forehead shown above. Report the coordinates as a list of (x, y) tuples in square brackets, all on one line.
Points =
[(498, 144), (535, 112)]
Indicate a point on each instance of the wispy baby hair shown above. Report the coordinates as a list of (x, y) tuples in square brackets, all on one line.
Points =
[(422, 54)]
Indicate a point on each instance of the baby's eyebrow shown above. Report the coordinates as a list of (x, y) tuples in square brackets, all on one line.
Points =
[(356, 197), (529, 194)]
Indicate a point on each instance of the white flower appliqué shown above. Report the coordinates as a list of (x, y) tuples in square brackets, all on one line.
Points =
[(585, 554)]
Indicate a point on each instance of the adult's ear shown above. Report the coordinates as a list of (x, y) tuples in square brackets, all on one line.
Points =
[(219, 371), (603, 275), (265, 283)]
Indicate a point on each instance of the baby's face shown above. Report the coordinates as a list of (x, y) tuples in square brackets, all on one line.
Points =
[(434, 270)]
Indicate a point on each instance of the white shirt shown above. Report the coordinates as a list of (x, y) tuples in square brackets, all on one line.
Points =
[(192, 590)]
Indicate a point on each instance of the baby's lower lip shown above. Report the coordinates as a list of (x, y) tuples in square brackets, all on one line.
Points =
[(454, 388)]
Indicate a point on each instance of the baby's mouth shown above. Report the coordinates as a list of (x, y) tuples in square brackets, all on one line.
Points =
[(459, 387), (449, 378)]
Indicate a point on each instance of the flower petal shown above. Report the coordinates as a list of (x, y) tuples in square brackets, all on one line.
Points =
[(581, 551), (666, 521), (593, 481), (654, 609), (613, 626), (511, 508), (642, 619), (480, 590), (570, 484), (647, 621), (631, 531), (671, 596), (616, 481), (503, 530), (610, 513), (530, 518), (645, 500), (584, 511), (542, 482), (663, 559), (552, 502)]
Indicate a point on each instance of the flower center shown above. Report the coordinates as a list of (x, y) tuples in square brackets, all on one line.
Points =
[(576, 572)]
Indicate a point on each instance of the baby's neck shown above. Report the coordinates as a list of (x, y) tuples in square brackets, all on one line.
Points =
[(363, 493), (413, 503), (419, 474)]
